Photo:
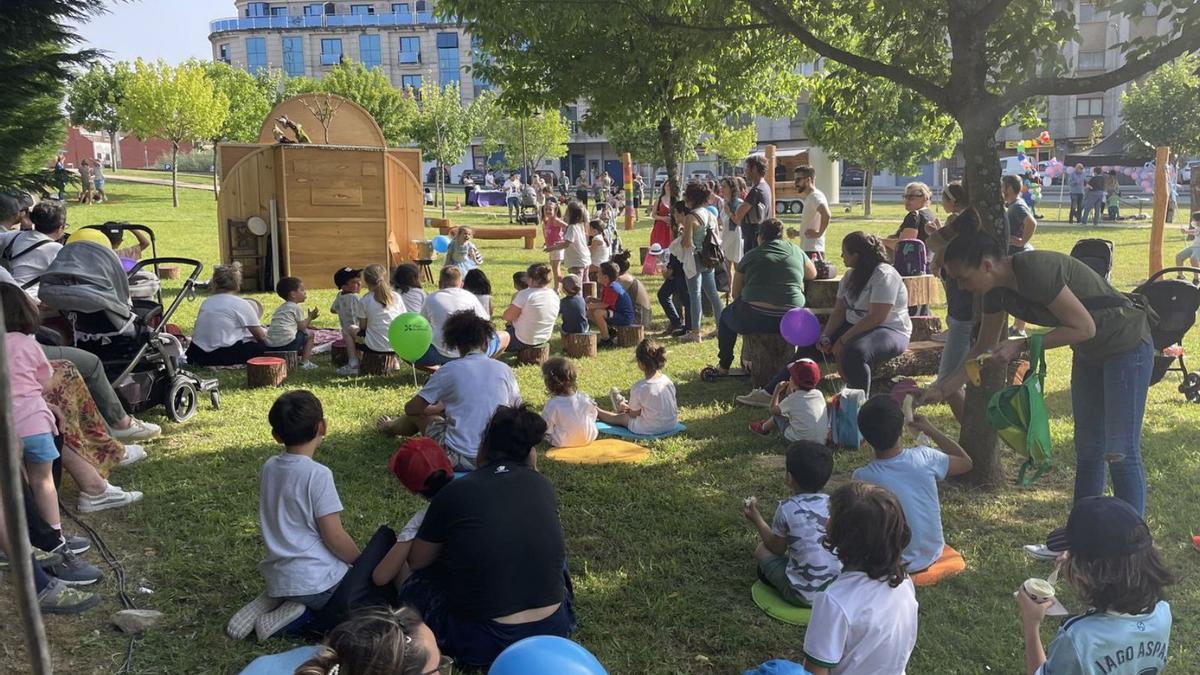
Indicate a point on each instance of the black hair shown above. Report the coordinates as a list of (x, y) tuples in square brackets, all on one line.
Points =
[(406, 276), (114, 233), (770, 229), (511, 434), (1012, 182), (434, 483), (287, 286), (465, 332), (680, 206), (598, 226), (20, 315), (696, 194), (622, 261), (1195, 215), (296, 417), (871, 254), (867, 531), (651, 355), (520, 280), (609, 269), (810, 464), (757, 163), (477, 282), (881, 421), (48, 216), (538, 274), (971, 248)]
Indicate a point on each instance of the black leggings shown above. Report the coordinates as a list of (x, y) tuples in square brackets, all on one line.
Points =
[(234, 355)]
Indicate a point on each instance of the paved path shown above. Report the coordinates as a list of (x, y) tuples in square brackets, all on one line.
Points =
[(157, 181)]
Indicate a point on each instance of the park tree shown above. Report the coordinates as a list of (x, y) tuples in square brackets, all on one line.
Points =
[(392, 108), (443, 127), (644, 145), (176, 103), (977, 61), (250, 101), (527, 138), (634, 71), (1164, 109), (731, 144), (875, 124), (94, 102)]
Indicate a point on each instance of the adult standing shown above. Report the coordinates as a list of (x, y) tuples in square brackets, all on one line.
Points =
[(85, 182), (512, 195), (1093, 199), (1021, 226), (767, 283), (582, 188), (660, 233), (27, 254), (98, 179), (489, 559), (756, 206), (960, 310), (814, 219), (639, 191), (60, 176), (533, 311), (635, 289), (489, 180), (731, 234), (228, 330), (1077, 185), (698, 221), (1108, 333)]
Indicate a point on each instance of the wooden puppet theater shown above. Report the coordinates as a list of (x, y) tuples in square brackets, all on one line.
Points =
[(319, 191)]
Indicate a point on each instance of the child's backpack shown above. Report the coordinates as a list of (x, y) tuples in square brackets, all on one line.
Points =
[(911, 258), (843, 417), (1019, 416), (825, 269)]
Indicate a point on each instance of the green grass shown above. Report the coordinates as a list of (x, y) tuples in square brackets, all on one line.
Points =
[(660, 554)]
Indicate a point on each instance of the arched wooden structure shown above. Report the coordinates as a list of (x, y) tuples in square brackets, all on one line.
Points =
[(351, 202)]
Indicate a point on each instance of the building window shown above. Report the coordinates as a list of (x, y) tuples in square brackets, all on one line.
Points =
[(256, 9), (223, 53), (1089, 14), (256, 54), (411, 82), (1091, 60), (1089, 107), (362, 9), (448, 66), (400, 8), (314, 10), (293, 56), (420, 5), (330, 9), (369, 52), (410, 50), (331, 51), (279, 11)]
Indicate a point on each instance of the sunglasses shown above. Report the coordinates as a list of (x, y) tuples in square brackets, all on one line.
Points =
[(913, 196)]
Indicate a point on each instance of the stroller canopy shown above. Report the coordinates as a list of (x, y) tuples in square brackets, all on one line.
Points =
[(87, 277)]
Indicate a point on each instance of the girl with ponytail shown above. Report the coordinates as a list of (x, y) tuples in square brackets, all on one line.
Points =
[(378, 308)]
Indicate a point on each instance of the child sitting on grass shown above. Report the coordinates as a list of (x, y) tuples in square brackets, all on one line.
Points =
[(865, 622), (462, 253), (288, 331), (912, 474), (299, 512), (1111, 563), (421, 466), (570, 414), (790, 558), (345, 306), (477, 284), (651, 408), (406, 280), (572, 307), (797, 407)]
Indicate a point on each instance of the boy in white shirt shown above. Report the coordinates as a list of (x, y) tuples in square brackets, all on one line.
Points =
[(346, 307), (288, 331), (797, 406)]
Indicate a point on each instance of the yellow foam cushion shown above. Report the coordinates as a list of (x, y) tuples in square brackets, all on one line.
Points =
[(950, 564), (602, 451)]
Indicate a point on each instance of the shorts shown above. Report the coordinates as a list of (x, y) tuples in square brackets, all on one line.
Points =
[(39, 448), (296, 345), (614, 320), (773, 572), (514, 343), (557, 255), (436, 432), (1192, 252)]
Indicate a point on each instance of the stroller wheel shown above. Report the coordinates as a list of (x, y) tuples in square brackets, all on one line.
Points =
[(1190, 384), (214, 397), (181, 399)]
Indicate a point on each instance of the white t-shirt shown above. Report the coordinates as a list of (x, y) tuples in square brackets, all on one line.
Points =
[(471, 387), (808, 416), (570, 420), (539, 311), (655, 397), (224, 320), (285, 323), (6, 278), (379, 318), (28, 266), (409, 531), (414, 299), (811, 220), (438, 307), (294, 491), (485, 301), (346, 306), (599, 249), (885, 286), (576, 254), (860, 626), (801, 520), (512, 188)]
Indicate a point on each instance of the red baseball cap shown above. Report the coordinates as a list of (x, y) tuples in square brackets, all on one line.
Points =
[(416, 460), (805, 373)]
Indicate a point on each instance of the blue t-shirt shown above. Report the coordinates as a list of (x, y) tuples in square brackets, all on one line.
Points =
[(281, 664), (912, 476), (620, 303), (573, 311), (1112, 644)]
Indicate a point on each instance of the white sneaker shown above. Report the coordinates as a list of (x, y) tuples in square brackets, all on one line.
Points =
[(242, 623), (308, 365), (758, 398), (113, 497), (617, 399), (277, 619), (348, 369), (1039, 552), (137, 431), (133, 453)]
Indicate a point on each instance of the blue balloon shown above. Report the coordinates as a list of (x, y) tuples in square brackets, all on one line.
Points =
[(441, 243), (546, 655)]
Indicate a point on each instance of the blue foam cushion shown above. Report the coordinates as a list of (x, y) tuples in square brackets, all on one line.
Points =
[(622, 432)]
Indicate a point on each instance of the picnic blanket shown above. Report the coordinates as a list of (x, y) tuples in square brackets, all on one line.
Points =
[(622, 432), (603, 451)]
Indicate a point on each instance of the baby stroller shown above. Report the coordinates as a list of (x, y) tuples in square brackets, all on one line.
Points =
[(88, 285), (1175, 301), (1096, 254), (529, 208)]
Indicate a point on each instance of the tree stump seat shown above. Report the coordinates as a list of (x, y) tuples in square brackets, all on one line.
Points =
[(265, 371), (630, 336), (338, 354), (765, 354), (534, 355), (579, 345), (924, 327), (292, 358), (378, 363)]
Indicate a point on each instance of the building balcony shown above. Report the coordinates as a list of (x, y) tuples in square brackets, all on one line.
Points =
[(325, 21)]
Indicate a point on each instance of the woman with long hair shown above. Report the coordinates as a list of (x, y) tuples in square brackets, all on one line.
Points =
[(698, 220), (731, 233), (661, 211)]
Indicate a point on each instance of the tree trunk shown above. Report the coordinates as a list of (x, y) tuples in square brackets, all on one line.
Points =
[(116, 150), (868, 186), (666, 137), (439, 187), (174, 174)]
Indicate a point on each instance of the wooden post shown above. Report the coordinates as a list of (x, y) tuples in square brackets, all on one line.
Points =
[(1161, 195), (771, 177), (579, 345), (265, 371), (168, 271), (627, 162)]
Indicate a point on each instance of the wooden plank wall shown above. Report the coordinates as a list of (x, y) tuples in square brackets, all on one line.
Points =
[(406, 218), (247, 188)]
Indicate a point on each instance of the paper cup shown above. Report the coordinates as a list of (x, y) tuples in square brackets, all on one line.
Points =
[(1038, 589)]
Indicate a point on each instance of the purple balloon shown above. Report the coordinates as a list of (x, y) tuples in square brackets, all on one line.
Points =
[(800, 327)]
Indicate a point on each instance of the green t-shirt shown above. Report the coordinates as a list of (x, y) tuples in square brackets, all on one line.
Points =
[(773, 273), (1041, 276)]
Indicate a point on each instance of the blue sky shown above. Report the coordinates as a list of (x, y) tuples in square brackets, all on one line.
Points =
[(174, 30)]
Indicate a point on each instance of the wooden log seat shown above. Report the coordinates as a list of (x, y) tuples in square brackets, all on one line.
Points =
[(765, 354), (265, 371), (526, 232), (292, 358), (921, 358), (535, 355), (338, 354), (377, 363), (630, 336), (922, 290), (579, 345)]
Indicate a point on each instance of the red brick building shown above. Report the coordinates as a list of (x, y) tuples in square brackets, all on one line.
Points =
[(135, 154)]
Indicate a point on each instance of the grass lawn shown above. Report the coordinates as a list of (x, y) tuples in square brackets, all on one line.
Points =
[(660, 554)]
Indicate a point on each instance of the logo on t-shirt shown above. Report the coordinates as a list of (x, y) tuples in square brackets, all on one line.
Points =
[(501, 469)]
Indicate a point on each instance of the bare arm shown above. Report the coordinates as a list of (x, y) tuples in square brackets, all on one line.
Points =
[(960, 461), (876, 315), (773, 542), (143, 241), (423, 553), (781, 390), (815, 669), (392, 564), (741, 212), (511, 313), (1027, 230), (823, 211), (810, 269), (259, 333), (416, 406), (836, 319), (335, 538)]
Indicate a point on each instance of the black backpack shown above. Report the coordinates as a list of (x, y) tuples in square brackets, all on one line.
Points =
[(711, 254)]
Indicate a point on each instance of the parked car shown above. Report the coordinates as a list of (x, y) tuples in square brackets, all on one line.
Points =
[(659, 179), (702, 174), (1185, 173), (431, 176), (852, 176), (547, 175), (475, 175)]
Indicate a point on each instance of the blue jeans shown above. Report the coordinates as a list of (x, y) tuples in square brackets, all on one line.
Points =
[(958, 343), (514, 204), (1093, 203), (707, 279), (1109, 402), (671, 289)]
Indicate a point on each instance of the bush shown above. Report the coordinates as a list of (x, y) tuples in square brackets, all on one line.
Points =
[(196, 161)]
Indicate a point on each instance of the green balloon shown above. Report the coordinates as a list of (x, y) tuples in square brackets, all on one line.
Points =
[(410, 335)]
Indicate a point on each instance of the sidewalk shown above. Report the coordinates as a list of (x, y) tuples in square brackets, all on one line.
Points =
[(157, 181)]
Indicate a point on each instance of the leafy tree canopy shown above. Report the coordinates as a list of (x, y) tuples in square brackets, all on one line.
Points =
[(392, 108), (250, 101), (1165, 108), (536, 137)]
